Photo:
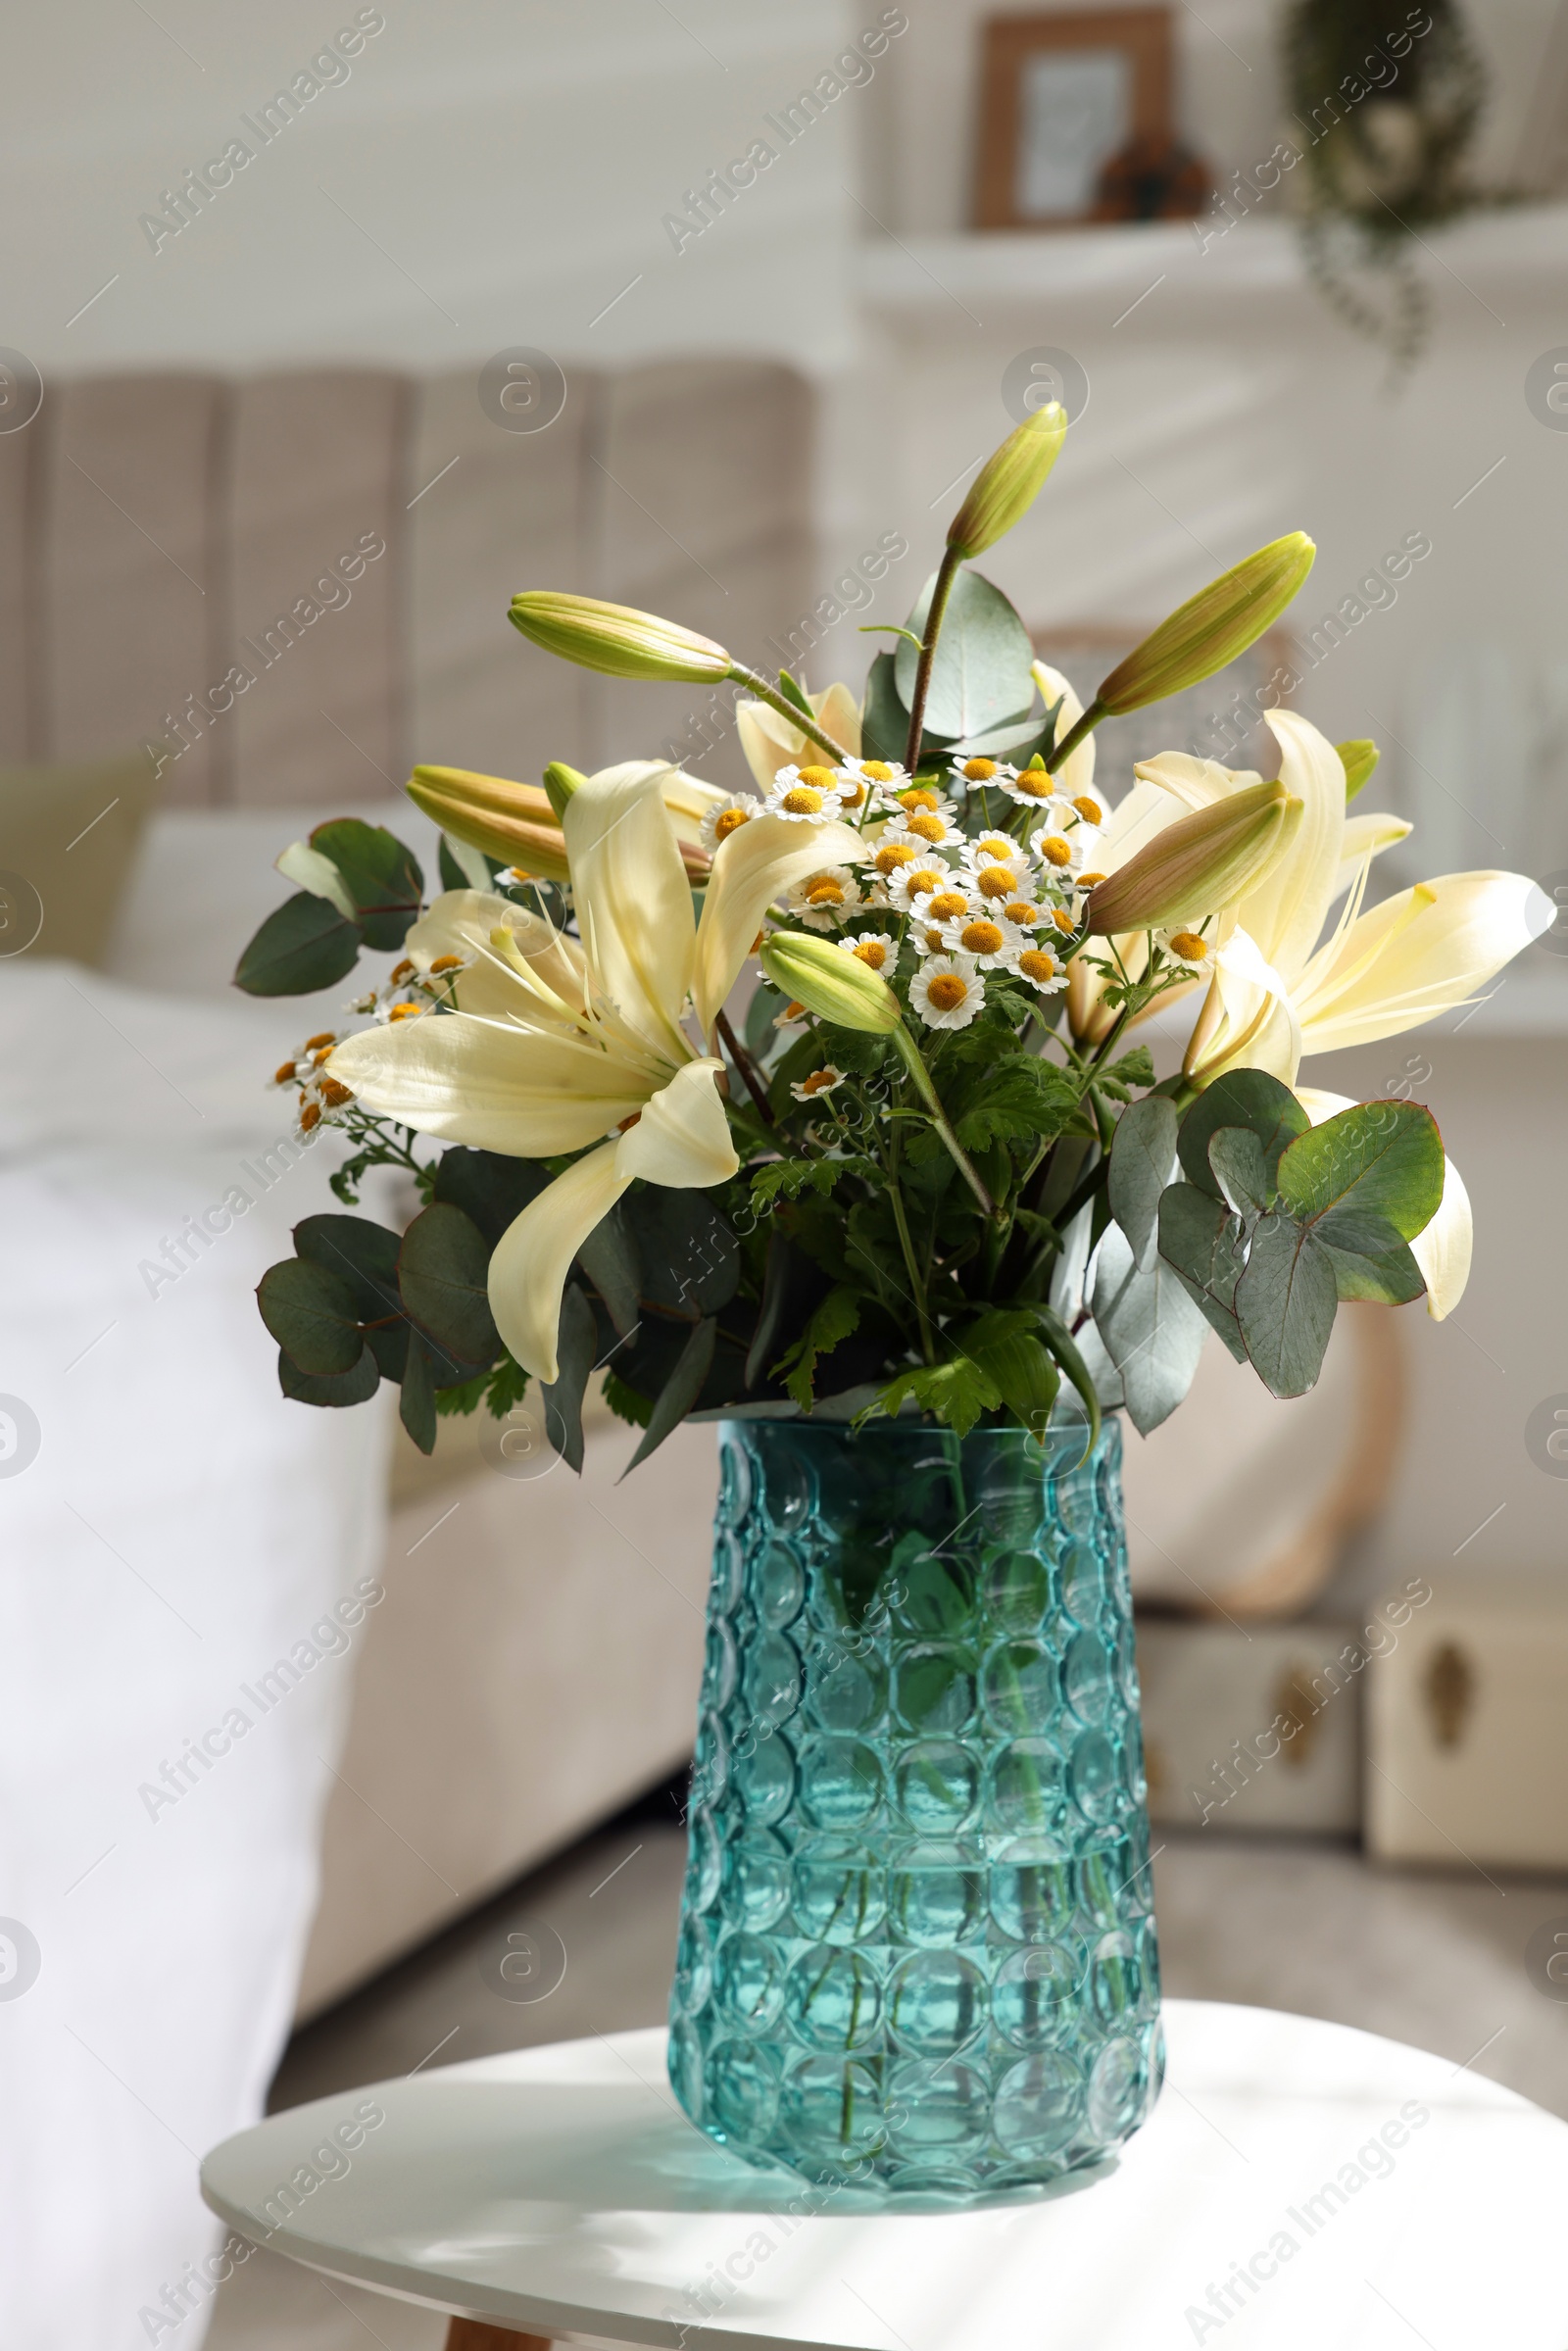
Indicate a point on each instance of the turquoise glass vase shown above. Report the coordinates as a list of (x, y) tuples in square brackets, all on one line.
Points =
[(916, 1946)]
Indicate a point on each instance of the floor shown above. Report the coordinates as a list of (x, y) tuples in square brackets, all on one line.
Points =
[(1432, 1959)]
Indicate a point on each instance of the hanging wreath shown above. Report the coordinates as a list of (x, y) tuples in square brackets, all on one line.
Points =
[(1390, 111)]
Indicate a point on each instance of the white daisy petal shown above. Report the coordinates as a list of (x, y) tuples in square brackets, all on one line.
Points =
[(947, 991)]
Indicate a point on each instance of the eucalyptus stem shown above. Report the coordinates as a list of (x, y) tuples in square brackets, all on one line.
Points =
[(912, 1062), (802, 721), (947, 573)]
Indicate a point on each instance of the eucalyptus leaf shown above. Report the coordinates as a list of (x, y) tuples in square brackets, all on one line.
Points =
[(463, 866), (363, 1255), (884, 717), (609, 1257), (690, 1257), (1143, 1158), (443, 1267), (1378, 1158), (1285, 1304), (490, 1187), (353, 1387), (1237, 1165), (1370, 1259), (982, 675), (383, 878), (304, 946), (1242, 1097), (416, 1403), (679, 1392), (1206, 1243), (1150, 1328), (576, 1348), (311, 1313)]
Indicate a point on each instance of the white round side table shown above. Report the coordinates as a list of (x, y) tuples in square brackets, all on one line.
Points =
[(1299, 2187)]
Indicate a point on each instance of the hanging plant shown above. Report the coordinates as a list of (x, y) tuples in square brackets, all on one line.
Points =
[(1391, 116)]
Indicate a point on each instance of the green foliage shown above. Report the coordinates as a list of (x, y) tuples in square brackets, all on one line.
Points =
[(310, 1312), (957, 1393), (498, 1389), (981, 676), (305, 946), (382, 877), (442, 1270), (835, 1319), (680, 1391), (576, 1347), (787, 1179)]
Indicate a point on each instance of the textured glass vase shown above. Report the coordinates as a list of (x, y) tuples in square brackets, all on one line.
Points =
[(916, 1944)]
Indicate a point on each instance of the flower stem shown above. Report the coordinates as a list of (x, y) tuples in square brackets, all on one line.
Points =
[(947, 573), (797, 717), (918, 1071), (1070, 741), (918, 1287), (747, 1067)]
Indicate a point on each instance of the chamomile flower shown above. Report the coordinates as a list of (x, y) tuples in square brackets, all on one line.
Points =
[(875, 781), (918, 881), (823, 898), (947, 991), (804, 796), (874, 949), (726, 817), (1044, 969), (1061, 854), (929, 828), (891, 852), (1186, 946), (1031, 787), (984, 939), (928, 938), (821, 1081), (949, 903), (979, 775), (995, 882), (1089, 810)]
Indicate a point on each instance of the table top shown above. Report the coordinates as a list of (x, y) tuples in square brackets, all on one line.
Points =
[(1299, 2187)]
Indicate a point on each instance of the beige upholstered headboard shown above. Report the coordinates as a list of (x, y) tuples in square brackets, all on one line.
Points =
[(292, 586)]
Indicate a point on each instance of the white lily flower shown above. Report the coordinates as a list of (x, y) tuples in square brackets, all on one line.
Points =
[(557, 1043), (770, 743), (1443, 1249)]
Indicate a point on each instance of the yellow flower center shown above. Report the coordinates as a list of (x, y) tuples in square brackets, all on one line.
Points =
[(821, 779), (334, 1092), (1189, 946), (283, 1074), (851, 792), (996, 881), (310, 1116), (802, 799), (404, 1012), (917, 796), (948, 905), (325, 1037), (924, 878), (793, 1010), (935, 941), (1035, 782), (980, 938), (1064, 920), (927, 827), (947, 992), (1022, 913), (995, 848), (1038, 963), (819, 1081), (1089, 810), (446, 963), (1087, 881), (979, 771), (730, 820), (1055, 851), (888, 860), (878, 771), (873, 951), (825, 892)]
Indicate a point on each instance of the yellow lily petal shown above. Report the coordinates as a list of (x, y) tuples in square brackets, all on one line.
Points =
[(634, 902), (1196, 783), (682, 1140), (493, 1084), (1285, 914), (1441, 1248), (531, 1261), (687, 800), (1246, 1021), (548, 986), (1418, 953), (1077, 774), (770, 743), (754, 866), (1365, 838)]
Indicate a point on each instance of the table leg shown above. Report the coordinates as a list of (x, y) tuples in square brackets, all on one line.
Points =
[(472, 2335)]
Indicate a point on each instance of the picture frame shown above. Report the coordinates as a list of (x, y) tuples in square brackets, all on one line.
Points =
[(1063, 95)]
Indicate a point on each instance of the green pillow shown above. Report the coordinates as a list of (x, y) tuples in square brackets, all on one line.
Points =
[(67, 842)]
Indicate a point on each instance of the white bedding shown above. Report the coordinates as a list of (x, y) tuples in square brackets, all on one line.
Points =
[(180, 1530)]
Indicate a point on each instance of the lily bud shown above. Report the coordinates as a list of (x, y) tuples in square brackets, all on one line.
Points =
[(614, 637), (1199, 864), (834, 986), (1211, 628), (1358, 758), (561, 782), (514, 823), (1009, 481)]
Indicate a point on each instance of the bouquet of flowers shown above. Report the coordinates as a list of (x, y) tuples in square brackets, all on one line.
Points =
[(827, 1098)]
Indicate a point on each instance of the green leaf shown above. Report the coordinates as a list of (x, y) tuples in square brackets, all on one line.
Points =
[(1150, 1328), (625, 1401), (759, 1035), (1018, 1095), (462, 866), (306, 945), (981, 676), (1135, 1068), (1007, 1349), (442, 1270), (1370, 1261), (609, 1257), (1206, 1246), (1064, 1348), (1285, 1304), (787, 1179), (835, 1319), (1237, 1165), (1378, 1158), (1242, 1097), (691, 1261), (310, 1314), (383, 878), (351, 1386), (884, 717), (490, 1187), (576, 1347), (957, 1393), (680, 1391), (796, 694), (365, 1256), (417, 1404), (497, 1388), (1142, 1154)]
